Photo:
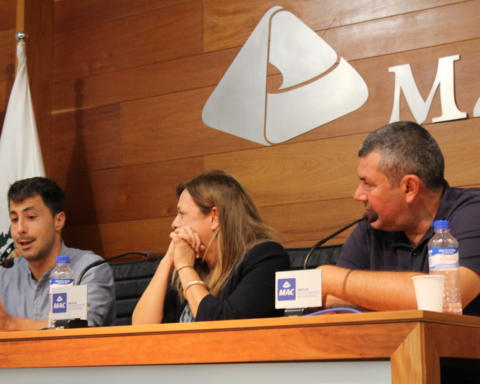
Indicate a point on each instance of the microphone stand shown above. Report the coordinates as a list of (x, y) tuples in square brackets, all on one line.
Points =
[(323, 241), (148, 256)]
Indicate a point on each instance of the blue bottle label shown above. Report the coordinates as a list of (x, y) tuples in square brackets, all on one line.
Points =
[(443, 258), (54, 282)]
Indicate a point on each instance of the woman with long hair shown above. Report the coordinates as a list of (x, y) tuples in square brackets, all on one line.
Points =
[(221, 261)]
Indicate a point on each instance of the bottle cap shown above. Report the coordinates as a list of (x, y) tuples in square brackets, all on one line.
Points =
[(63, 259), (441, 224)]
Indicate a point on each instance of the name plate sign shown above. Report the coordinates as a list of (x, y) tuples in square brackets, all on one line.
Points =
[(69, 302), (298, 289)]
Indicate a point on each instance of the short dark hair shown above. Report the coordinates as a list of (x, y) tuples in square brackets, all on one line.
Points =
[(406, 148), (51, 194)]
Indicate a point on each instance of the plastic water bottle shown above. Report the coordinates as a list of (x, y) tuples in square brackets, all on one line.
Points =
[(61, 275), (443, 260)]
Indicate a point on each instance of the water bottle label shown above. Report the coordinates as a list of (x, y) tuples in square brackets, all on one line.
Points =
[(54, 282), (443, 258)]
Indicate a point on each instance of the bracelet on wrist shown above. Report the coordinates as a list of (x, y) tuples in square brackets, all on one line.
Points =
[(195, 282), (185, 266)]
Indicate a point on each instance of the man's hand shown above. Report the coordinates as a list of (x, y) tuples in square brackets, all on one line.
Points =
[(9, 323), (4, 319)]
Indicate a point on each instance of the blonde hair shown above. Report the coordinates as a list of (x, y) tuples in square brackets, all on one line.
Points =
[(241, 225)]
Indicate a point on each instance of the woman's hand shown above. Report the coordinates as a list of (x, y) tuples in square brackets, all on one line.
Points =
[(186, 247)]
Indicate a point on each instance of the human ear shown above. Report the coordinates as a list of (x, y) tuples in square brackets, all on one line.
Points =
[(411, 185), (59, 220), (214, 219)]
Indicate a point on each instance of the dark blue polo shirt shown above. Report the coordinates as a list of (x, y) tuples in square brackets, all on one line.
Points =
[(371, 249)]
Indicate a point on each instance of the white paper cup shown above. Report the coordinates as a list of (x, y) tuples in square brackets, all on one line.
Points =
[(429, 292)]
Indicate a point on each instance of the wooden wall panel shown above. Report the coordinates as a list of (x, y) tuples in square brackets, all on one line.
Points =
[(127, 193), (169, 127), (8, 14), (377, 110), (113, 239), (194, 72), (86, 140), (303, 224), (7, 55), (146, 81), (229, 23), (407, 32), (459, 141), (309, 171), (129, 42), (5, 89), (326, 169), (147, 69), (165, 128), (170, 131), (74, 14), (36, 18)]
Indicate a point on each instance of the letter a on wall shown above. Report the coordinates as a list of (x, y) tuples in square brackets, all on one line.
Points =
[(241, 106)]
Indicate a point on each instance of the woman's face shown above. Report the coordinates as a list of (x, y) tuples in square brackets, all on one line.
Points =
[(189, 215)]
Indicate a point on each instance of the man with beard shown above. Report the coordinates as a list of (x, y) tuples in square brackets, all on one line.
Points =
[(37, 216)]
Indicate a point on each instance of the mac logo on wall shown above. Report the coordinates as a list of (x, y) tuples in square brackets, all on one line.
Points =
[(241, 106)]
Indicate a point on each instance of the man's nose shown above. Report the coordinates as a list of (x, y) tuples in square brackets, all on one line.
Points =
[(360, 194), (21, 226)]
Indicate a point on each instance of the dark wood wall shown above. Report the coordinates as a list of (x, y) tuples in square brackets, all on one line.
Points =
[(130, 79)]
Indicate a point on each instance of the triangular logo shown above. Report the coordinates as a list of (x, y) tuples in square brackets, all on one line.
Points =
[(241, 106)]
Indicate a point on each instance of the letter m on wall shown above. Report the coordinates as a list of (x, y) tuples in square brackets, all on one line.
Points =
[(445, 79)]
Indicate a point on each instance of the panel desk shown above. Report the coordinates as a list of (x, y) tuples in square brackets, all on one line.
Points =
[(413, 343)]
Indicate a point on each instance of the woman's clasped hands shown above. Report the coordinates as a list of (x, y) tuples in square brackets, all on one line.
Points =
[(185, 247)]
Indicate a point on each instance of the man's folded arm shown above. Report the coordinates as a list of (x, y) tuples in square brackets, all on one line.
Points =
[(384, 291)]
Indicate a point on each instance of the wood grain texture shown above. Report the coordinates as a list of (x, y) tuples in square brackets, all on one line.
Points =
[(229, 23), (108, 240), (7, 55), (377, 110), (437, 26), (86, 140), (7, 14), (129, 42), (206, 70), (431, 358), (36, 17), (127, 193), (170, 127), (303, 224), (186, 127), (73, 14), (459, 142), (5, 89), (452, 346), (146, 81), (407, 363), (286, 174), (357, 341)]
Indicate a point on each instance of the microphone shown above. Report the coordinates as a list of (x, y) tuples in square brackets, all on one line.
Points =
[(368, 216), (7, 263), (147, 256)]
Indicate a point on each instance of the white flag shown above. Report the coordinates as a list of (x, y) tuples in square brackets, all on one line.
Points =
[(20, 153)]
